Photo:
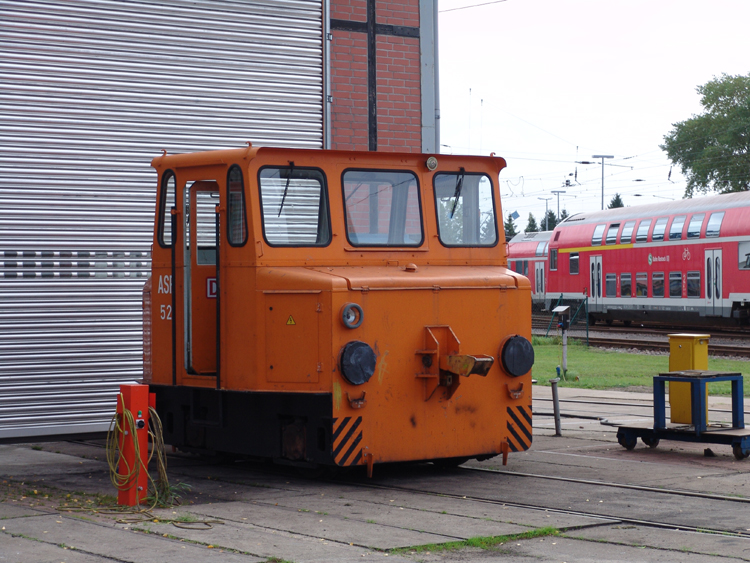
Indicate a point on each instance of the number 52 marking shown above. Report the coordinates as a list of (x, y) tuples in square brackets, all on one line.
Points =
[(166, 312)]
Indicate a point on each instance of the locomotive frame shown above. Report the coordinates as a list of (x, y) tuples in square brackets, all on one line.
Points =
[(334, 308)]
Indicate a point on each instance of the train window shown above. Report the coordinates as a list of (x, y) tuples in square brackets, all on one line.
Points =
[(612, 233), (465, 209), (627, 232), (382, 208), (596, 239), (675, 230), (657, 284), (643, 227), (165, 209), (205, 227), (294, 206), (237, 231), (573, 263), (744, 255), (675, 284), (541, 248), (694, 227), (610, 285), (553, 259), (526, 268), (659, 228), (714, 224), (693, 284), (641, 284), (626, 286)]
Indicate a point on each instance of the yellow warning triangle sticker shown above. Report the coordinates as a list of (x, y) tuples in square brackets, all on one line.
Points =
[(290, 321)]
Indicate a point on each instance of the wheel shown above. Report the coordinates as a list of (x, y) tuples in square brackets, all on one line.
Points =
[(609, 322), (627, 323), (650, 441), (627, 441), (739, 453), (592, 320)]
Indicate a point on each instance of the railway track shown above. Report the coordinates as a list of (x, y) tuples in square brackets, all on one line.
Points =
[(603, 515), (657, 346)]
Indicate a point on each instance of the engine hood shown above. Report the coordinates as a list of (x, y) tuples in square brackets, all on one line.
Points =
[(425, 277)]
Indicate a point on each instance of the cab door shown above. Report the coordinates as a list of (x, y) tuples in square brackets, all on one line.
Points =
[(713, 263), (200, 277)]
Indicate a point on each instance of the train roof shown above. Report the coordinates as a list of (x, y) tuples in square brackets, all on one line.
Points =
[(701, 204), (531, 237)]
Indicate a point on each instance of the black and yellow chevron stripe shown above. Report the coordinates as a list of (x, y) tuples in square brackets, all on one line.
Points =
[(346, 438), (519, 427)]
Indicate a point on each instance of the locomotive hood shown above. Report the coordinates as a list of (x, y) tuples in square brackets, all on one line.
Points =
[(411, 276)]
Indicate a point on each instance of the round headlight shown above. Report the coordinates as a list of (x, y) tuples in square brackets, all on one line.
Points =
[(432, 163), (357, 362), (517, 356)]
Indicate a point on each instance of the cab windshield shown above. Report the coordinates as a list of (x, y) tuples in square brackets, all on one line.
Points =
[(465, 209)]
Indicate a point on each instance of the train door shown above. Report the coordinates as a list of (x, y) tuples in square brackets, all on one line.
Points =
[(712, 259), (539, 279), (595, 292), (200, 277)]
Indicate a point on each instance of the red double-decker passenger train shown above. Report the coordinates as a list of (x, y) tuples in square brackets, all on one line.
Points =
[(685, 261)]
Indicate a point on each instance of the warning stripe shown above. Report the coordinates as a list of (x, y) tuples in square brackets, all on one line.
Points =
[(346, 439), (519, 428)]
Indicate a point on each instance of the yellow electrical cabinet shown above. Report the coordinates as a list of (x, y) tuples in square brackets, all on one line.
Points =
[(686, 351)]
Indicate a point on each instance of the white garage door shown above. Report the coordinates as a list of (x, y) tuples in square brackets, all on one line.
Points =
[(90, 92)]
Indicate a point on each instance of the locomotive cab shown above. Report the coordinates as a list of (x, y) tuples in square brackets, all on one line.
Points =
[(336, 308)]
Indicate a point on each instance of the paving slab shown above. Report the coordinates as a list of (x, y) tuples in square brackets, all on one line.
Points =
[(24, 462), (113, 542), (362, 533), (23, 550), (678, 541), (565, 550), (267, 543)]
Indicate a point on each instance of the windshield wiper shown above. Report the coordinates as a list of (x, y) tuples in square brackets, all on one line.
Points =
[(286, 188), (457, 194)]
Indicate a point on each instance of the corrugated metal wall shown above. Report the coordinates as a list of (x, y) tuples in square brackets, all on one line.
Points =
[(90, 92)]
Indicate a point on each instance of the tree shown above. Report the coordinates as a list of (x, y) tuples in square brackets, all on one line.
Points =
[(616, 202), (713, 149), (549, 222), (510, 227), (563, 215), (531, 226)]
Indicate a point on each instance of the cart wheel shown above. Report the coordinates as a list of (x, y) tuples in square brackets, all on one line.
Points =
[(627, 441), (650, 441), (739, 453)]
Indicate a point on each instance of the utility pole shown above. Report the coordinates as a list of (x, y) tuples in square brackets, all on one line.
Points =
[(557, 193), (602, 156), (546, 221)]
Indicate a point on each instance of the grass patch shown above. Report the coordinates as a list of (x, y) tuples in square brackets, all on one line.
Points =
[(603, 369), (487, 542)]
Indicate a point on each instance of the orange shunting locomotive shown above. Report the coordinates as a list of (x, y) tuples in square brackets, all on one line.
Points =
[(332, 308)]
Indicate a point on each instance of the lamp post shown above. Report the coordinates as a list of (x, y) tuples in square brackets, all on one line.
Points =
[(546, 222), (602, 156), (557, 193)]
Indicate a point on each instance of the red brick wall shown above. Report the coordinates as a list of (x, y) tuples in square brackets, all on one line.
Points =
[(399, 98), (349, 90), (398, 94), (397, 12)]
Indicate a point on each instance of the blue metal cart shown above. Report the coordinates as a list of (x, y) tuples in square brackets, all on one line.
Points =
[(735, 436)]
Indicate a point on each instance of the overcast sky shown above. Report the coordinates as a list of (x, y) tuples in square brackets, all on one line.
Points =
[(546, 83)]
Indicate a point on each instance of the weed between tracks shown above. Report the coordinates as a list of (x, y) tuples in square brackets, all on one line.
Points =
[(489, 542), (604, 369)]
